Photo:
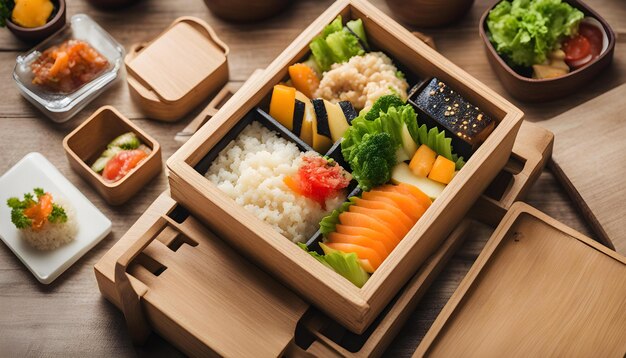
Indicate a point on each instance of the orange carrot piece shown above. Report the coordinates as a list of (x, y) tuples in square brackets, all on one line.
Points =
[(304, 79)]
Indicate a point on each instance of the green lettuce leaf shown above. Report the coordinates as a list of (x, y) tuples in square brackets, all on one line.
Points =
[(345, 264), (526, 31), (328, 223), (344, 46), (335, 45), (315, 255), (356, 26)]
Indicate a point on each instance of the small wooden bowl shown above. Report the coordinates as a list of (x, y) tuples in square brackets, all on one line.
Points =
[(85, 144), (539, 90), (429, 13), (245, 10), (36, 34)]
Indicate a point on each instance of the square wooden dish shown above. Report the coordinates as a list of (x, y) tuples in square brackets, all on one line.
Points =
[(353, 307), (538, 289), (170, 75), (85, 144)]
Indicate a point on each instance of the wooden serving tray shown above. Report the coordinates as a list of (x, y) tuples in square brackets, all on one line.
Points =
[(538, 289), (354, 308), (589, 161), (170, 274)]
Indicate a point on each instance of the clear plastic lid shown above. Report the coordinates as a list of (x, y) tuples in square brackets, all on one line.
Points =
[(61, 106)]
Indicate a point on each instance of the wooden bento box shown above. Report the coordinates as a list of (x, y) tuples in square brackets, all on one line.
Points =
[(353, 307), (171, 275)]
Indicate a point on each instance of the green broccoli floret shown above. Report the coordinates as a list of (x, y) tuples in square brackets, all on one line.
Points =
[(373, 159), (383, 104)]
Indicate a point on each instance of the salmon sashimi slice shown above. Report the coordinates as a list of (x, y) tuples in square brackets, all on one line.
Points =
[(361, 220), (385, 217), (38, 213), (364, 241), (414, 191), (392, 208), (405, 202), (363, 253), (389, 242)]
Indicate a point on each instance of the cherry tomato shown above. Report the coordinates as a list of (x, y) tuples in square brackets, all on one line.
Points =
[(594, 36), (576, 48), (122, 163)]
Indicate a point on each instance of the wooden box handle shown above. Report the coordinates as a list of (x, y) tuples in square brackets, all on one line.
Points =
[(130, 300)]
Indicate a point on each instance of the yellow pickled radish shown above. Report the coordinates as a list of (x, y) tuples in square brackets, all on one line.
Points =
[(442, 171), (422, 161), (282, 105)]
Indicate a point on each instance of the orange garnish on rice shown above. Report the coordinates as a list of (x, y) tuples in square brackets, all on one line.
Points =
[(39, 211)]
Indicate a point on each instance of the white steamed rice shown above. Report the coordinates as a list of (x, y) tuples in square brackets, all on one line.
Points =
[(251, 169), (53, 235)]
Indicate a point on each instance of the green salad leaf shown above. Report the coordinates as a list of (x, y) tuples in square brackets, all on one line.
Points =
[(345, 264), (336, 44), (315, 255), (526, 31), (328, 223)]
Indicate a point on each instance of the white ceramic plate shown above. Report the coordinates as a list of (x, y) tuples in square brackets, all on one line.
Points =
[(32, 171)]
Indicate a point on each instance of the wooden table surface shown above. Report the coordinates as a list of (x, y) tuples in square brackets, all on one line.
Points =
[(69, 317)]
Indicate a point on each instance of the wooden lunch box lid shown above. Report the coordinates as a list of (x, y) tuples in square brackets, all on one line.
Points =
[(179, 68), (539, 288), (170, 274), (585, 136)]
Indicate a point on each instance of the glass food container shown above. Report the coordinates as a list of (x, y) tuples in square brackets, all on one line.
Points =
[(60, 107)]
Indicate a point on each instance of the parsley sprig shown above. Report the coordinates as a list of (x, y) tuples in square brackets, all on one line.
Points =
[(21, 221)]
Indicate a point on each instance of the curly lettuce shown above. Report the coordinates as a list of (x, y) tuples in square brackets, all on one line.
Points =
[(337, 44), (526, 31)]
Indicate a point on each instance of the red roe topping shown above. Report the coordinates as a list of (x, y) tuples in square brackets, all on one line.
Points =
[(318, 179)]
